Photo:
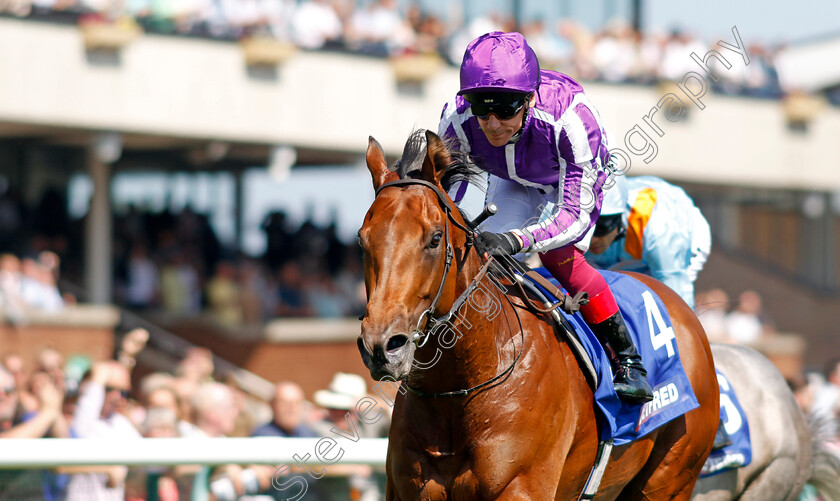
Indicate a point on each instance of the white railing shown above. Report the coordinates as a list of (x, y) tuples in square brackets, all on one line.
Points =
[(48, 453)]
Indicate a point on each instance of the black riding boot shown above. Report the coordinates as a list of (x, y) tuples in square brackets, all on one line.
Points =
[(629, 374), (722, 438)]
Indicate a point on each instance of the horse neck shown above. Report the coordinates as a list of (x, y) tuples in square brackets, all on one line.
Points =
[(469, 346)]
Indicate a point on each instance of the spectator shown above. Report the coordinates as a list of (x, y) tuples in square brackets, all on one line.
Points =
[(288, 409), (36, 423), (98, 415), (11, 300), (255, 293), (15, 366), (165, 398), (744, 325), (475, 28), (552, 51), (676, 55), (429, 29), (327, 300), (277, 15), (279, 240), (51, 262), (12, 214), (47, 420), (315, 24), (215, 416), (249, 411), (215, 410), (340, 399), (180, 289), (142, 281), (378, 29), (242, 16), (291, 300), (223, 295), (712, 307), (197, 365), (614, 53), (804, 392), (288, 406), (158, 423), (827, 397), (38, 287), (351, 285), (185, 390)]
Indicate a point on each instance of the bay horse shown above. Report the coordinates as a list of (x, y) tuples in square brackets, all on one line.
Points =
[(788, 449), (499, 407)]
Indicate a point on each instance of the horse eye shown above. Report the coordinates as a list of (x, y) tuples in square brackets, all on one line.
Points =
[(435, 240)]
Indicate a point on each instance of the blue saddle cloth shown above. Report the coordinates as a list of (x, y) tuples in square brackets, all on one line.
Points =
[(650, 326), (739, 453)]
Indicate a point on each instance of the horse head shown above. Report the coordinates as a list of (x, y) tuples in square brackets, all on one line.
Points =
[(408, 241)]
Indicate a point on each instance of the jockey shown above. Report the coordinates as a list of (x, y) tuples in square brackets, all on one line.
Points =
[(651, 226), (541, 141)]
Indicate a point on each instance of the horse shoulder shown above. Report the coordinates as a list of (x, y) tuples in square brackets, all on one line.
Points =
[(543, 426)]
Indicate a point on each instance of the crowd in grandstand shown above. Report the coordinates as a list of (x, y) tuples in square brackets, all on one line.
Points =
[(29, 284), (616, 53), (174, 263), (80, 398), (744, 322)]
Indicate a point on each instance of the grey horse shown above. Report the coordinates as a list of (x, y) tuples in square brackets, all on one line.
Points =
[(787, 449)]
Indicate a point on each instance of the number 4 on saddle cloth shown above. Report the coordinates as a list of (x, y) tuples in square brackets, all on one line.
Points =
[(650, 327)]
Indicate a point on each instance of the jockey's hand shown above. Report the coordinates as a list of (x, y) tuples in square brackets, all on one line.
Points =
[(498, 244)]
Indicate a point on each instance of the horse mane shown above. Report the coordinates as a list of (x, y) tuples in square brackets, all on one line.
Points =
[(459, 166)]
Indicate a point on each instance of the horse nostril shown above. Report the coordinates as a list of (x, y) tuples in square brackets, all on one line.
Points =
[(396, 342), (362, 347)]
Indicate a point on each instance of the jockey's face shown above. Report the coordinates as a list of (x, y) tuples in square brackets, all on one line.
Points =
[(599, 245), (498, 131)]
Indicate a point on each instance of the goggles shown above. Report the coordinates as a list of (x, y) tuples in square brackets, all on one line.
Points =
[(606, 224), (505, 105)]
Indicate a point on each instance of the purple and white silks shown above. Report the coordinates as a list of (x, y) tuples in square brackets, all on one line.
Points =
[(562, 151)]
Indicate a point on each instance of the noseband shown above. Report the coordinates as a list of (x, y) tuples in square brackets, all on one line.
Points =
[(421, 336)]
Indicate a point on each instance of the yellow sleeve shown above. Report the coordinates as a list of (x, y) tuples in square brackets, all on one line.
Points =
[(637, 220)]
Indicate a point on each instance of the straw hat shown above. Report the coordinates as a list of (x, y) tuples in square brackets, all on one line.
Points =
[(343, 392)]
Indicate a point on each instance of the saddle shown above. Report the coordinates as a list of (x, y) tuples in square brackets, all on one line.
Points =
[(528, 284)]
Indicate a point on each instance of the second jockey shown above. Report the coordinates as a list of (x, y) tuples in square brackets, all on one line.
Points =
[(650, 226)]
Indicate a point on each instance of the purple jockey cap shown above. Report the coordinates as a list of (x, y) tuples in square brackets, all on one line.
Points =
[(500, 62)]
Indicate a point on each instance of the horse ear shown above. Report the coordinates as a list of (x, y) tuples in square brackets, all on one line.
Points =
[(377, 166), (435, 163)]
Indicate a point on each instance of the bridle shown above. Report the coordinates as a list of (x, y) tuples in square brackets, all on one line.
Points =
[(421, 336)]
